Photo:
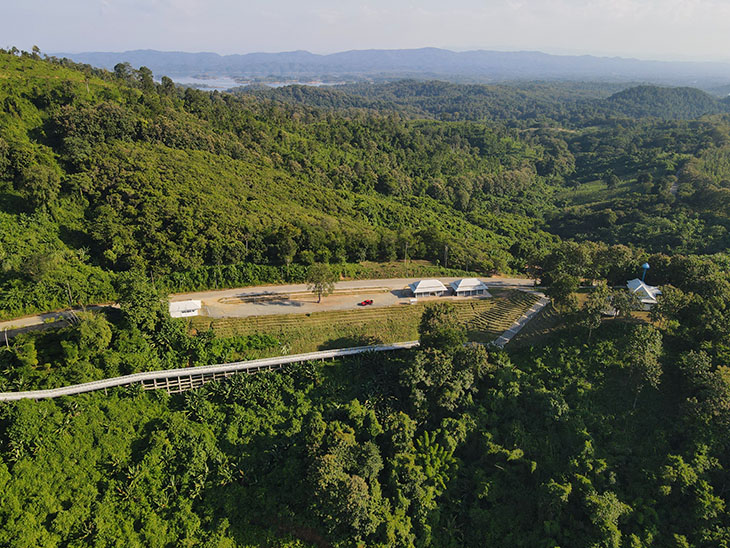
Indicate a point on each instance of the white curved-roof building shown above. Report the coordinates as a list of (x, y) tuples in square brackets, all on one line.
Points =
[(467, 287), (647, 293), (428, 288), (185, 309)]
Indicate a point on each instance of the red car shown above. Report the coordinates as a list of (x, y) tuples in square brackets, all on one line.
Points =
[(365, 302)]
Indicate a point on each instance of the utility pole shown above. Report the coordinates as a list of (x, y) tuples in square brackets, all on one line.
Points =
[(446, 256), (405, 256)]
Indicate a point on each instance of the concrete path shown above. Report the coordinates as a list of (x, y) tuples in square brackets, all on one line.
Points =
[(521, 322), (193, 377)]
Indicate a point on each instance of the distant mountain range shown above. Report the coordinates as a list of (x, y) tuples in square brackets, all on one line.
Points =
[(426, 63)]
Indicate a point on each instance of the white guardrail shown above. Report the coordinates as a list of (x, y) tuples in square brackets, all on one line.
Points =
[(204, 373)]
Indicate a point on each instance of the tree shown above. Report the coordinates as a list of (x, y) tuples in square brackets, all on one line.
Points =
[(668, 310), (594, 307), (123, 71), (146, 79), (284, 245), (139, 300), (41, 184), (321, 280), (94, 333), (611, 180), (643, 348), (168, 86), (441, 328), (624, 302), (562, 292)]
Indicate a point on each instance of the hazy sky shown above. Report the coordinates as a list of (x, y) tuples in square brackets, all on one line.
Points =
[(656, 29)]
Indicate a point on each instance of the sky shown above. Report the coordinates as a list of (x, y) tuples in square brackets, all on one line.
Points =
[(645, 29)]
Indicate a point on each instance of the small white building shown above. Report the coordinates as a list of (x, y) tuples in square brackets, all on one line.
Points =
[(468, 287), (647, 294), (185, 309), (428, 288)]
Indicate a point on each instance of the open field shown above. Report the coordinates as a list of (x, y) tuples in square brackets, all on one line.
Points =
[(485, 319)]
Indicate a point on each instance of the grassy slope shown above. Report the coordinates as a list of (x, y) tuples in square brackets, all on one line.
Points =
[(485, 319)]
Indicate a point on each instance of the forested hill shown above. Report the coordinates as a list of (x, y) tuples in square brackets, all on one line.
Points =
[(106, 172), (575, 104), (103, 173), (449, 101), (659, 102)]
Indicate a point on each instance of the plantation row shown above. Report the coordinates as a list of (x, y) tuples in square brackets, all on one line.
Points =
[(486, 325), (485, 319)]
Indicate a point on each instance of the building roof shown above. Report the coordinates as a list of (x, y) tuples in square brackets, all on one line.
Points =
[(646, 293), (468, 284), (180, 306), (427, 286)]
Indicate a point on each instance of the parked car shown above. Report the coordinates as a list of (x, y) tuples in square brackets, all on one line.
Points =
[(366, 302)]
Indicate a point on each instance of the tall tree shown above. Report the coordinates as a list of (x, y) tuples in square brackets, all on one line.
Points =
[(595, 306), (441, 328), (321, 280)]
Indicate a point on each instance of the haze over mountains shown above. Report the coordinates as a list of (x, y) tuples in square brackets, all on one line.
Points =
[(467, 66)]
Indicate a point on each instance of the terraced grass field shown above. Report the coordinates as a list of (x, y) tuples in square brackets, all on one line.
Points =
[(538, 328), (484, 319)]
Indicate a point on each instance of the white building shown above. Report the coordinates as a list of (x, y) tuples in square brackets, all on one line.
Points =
[(185, 309), (647, 294), (428, 288), (468, 287)]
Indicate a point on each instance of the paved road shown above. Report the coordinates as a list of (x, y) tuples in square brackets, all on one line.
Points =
[(50, 319), (296, 299)]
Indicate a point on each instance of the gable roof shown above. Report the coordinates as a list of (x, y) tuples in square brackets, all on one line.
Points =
[(643, 291), (468, 284), (180, 306), (429, 286)]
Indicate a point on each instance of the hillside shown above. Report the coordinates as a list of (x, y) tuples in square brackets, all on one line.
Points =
[(109, 172), (678, 103), (105, 173)]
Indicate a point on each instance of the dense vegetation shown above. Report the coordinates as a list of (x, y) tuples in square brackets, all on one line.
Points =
[(517, 104), (619, 442), (104, 173), (609, 433)]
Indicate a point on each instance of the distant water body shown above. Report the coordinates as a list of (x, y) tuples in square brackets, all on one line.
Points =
[(222, 83)]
